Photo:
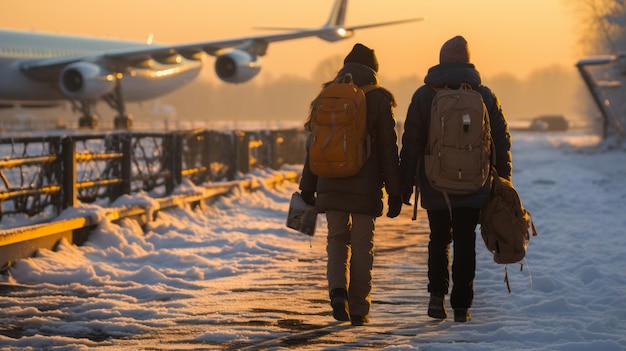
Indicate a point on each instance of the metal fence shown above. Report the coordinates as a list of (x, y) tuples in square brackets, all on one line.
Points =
[(44, 175)]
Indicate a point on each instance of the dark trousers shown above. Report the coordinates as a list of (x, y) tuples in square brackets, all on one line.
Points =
[(461, 231)]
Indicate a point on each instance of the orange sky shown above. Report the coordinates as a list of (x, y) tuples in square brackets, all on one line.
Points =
[(504, 36)]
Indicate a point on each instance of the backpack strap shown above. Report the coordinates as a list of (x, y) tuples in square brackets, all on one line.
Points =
[(462, 86), (532, 223), (366, 89), (506, 279), (347, 78)]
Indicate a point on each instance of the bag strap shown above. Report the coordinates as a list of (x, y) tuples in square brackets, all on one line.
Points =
[(521, 268), (418, 169), (506, 279)]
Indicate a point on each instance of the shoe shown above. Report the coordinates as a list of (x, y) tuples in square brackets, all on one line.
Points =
[(358, 320), (462, 315), (436, 307), (339, 303)]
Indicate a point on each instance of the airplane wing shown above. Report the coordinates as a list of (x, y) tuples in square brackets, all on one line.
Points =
[(364, 26), (49, 69)]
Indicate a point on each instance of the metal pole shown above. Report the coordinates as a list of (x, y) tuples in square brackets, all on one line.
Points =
[(69, 196)]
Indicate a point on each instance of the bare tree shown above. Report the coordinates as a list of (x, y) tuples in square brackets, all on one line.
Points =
[(603, 25)]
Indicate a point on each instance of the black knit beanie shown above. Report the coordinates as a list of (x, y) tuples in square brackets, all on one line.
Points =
[(363, 55)]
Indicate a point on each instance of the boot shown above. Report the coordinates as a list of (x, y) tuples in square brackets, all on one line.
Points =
[(436, 307), (462, 315), (339, 303), (359, 320)]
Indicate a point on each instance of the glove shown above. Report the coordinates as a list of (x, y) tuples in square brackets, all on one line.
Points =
[(308, 197), (407, 191), (395, 205)]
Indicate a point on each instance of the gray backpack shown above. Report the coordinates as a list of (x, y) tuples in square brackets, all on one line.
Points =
[(505, 224)]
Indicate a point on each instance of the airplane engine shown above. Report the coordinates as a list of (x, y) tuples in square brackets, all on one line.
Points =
[(84, 80), (237, 66)]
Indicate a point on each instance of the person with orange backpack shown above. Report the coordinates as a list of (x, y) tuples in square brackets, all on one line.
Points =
[(454, 132), (352, 153)]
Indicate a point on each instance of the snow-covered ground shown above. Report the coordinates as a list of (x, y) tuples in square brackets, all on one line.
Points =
[(232, 276)]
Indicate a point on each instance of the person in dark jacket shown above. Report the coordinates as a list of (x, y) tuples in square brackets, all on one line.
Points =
[(352, 204), (458, 226)]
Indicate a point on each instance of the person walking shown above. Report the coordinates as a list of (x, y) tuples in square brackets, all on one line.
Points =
[(353, 203), (454, 221)]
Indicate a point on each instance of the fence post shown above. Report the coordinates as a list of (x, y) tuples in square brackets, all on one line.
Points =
[(55, 171), (173, 157), (127, 162), (229, 153), (276, 149), (292, 147), (69, 172), (205, 155), (243, 152), (177, 161)]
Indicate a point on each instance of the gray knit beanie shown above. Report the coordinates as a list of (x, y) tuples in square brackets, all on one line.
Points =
[(455, 50)]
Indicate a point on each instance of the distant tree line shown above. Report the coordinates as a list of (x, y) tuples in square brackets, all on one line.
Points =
[(550, 90)]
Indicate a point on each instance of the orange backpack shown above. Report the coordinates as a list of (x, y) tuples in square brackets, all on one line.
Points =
[(340, 142)]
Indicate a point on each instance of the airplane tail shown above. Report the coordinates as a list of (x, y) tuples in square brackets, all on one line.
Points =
[(338, 14), (335, 23), (336, 19), (334, 29)]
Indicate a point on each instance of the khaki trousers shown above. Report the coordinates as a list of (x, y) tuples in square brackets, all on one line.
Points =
[(350, 249)]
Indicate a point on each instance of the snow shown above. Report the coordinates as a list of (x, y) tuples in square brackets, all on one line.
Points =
[(232, 276)]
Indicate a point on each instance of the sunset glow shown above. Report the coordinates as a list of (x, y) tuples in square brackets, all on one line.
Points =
[(504, 36)]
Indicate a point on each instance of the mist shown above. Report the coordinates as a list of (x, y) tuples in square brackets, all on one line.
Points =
[(269, 97), (551, 90)]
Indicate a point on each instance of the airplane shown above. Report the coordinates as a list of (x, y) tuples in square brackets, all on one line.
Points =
[(41, 69)]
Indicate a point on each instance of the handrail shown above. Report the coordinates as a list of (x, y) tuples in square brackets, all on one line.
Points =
[(52, 173), (27, 161)]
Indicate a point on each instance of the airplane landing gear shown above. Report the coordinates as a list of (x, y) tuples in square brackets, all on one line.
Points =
[(89, 121), (114, 100), (124, 121)]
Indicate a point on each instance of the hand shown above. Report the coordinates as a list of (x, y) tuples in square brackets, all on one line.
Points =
[(395, 205), (407, 191), (308, 197)]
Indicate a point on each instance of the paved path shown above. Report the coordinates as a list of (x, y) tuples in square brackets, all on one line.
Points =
[(289, 308)]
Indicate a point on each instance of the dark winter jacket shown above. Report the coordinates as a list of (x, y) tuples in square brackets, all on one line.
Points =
[(415, 137), (362, 193)]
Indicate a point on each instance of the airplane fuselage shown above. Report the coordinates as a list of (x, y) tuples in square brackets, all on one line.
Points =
[(42, 69), (140, 81)]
